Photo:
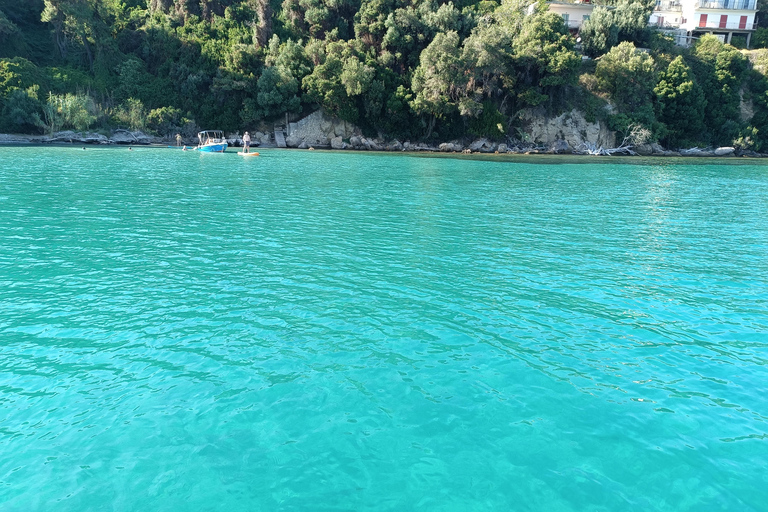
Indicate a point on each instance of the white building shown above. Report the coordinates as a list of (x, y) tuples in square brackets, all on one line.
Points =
[(685, 20), (690, 19), (574, 13)]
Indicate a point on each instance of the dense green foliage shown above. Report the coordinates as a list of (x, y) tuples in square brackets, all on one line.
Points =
[(399, 68)]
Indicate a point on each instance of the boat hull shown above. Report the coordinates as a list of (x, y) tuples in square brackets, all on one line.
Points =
[(213, 148)]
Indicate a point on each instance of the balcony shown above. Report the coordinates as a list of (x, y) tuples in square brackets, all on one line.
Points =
[(714, 25), (666, 25), (667, 6), (738, 5)]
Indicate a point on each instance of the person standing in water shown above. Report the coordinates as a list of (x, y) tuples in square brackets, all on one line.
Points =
[(246, 142)]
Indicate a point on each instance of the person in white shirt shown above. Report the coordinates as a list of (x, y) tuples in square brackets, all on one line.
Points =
[(246, 142)]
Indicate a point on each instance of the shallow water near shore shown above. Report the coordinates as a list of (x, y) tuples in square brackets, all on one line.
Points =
[(347, 331)]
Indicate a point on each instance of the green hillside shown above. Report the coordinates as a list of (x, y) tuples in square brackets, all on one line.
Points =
[(426, 70)]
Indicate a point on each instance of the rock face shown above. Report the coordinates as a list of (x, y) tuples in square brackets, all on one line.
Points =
[(126, 137), (571, 128), (560, 147), (319, 129)]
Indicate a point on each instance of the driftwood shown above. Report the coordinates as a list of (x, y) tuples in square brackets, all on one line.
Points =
[(635, 135)]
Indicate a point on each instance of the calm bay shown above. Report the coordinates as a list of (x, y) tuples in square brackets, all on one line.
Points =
[(352, 331)]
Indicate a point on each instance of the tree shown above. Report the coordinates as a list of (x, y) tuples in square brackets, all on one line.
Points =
[(631, 18), (599, 33), (605, 28), (721, 70), (277, 93), (22, 112), (629, 77), (680, 104), (544, 60), (439, 81), (324, 85)]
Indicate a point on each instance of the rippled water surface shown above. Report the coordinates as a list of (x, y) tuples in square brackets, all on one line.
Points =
[(346, 331)]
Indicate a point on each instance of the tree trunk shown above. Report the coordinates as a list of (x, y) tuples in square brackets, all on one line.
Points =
[(431, 126), (61, 42), (264, 28), (88, 52)]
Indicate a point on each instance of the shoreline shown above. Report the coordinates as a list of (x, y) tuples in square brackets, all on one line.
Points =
[(520, 158), (123, 138)]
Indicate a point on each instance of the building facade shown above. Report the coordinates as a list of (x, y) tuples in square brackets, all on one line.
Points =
[(574, 13), (684, 20), (687, 20)]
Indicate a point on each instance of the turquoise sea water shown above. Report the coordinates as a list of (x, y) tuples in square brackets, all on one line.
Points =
[(347, 331)]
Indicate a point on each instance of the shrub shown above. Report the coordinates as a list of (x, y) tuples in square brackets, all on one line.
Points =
[(164, 120), (490, 123), (76, 111), (130, 113), (22, 111)]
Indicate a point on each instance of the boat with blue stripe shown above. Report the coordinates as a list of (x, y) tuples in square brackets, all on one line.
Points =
[(212, 141)]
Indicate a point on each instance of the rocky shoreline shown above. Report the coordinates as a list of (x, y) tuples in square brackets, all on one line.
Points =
[(320, 132)]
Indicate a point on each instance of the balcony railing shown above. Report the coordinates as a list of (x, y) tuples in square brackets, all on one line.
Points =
[(741, 5), (665, 25), (726, 26), (668, 6)]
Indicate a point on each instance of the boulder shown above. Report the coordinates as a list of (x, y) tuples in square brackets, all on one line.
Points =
[(724, 151), (7, 138), (355, 142), (483, 146), (370, 144), (293, 141), (395, 145), (123, 137), (337, 143), (303, 145), (502, 148), (479, 144), (644, 149), (448, 147), (95, 138), (65, 136), (141, 137), (696, 152)]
